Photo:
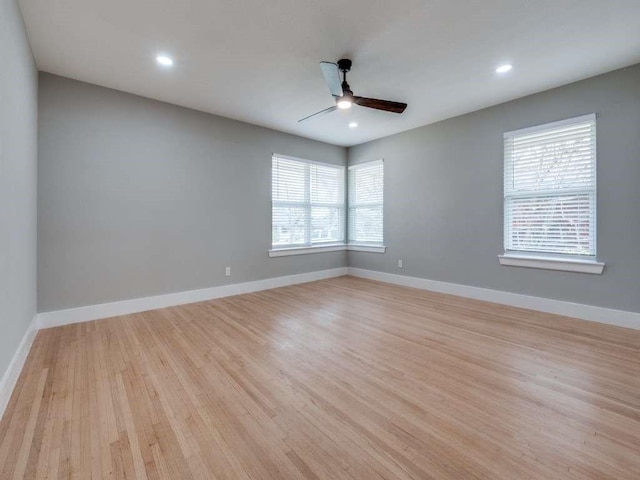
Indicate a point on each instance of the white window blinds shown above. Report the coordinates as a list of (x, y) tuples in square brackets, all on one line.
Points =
[(550, 188), (366, 210), (308, 203)]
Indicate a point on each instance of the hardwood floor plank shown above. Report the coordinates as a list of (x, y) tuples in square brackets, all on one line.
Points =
[(344, 378)]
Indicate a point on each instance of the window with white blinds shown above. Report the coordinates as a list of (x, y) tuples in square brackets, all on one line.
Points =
[(308, 203), (550, 189), (366, 208)]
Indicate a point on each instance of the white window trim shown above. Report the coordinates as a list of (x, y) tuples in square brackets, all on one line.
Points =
[(304, 160), (374, 247), (589, 117), (565, 263), (310, 248), (353, 247), (285, 252), (552, 263), (327, 247)]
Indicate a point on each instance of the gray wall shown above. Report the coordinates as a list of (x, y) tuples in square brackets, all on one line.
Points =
[(443, 195), (18, 182), (138, 197)]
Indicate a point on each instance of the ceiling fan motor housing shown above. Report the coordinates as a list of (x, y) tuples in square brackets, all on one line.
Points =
[(344, 64)]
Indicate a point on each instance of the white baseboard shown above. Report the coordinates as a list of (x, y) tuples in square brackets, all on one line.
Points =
[(124, 307), (11, 375), (94, 312), (609, 316)]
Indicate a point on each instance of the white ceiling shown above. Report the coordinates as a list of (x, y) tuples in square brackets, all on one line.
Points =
[(257, 61)]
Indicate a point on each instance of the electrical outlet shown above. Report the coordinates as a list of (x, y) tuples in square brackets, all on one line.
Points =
[(227, 271), (399, 263)]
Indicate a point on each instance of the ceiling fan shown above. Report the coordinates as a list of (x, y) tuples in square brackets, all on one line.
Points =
[(343, 95)]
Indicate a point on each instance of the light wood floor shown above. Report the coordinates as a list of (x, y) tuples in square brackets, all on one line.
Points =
[(338, 379)]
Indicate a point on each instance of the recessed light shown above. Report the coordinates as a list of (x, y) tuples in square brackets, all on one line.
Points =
[(353, 124), (164, 60), (504, 68)]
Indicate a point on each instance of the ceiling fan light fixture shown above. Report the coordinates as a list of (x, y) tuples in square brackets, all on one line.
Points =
[(344, 103)]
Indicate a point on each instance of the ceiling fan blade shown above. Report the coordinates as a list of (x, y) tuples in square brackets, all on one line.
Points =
[(332, 78), (317, 114), (386, 105)]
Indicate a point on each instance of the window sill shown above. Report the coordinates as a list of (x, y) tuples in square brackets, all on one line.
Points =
[(367, 248), (551, 263), (284, 252)]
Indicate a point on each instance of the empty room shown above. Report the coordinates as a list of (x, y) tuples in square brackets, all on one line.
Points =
[(321, 240)]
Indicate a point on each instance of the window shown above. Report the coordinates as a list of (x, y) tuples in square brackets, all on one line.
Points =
[(550, 191), (366, 212), (308, 203)]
